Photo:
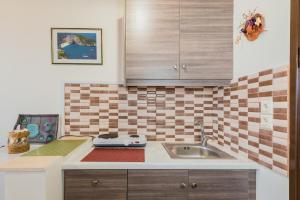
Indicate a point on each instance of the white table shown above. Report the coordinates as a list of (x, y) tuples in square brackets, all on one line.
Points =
[(4, 157)]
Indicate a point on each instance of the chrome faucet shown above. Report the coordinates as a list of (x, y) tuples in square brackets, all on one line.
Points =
[(204, 138)]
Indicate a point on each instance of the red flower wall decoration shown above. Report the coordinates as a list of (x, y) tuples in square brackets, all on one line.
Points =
[(252, 26)]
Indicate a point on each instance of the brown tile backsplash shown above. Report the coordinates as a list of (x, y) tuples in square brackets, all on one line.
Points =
[(160, 113), (267, 147), (230, 114)]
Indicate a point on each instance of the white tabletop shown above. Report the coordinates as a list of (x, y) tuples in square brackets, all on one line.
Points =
[(156, 157)]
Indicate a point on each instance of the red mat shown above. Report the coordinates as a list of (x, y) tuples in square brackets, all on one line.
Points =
[(115, 155)]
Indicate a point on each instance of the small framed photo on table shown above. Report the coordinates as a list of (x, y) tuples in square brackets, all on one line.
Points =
[(77, 46)]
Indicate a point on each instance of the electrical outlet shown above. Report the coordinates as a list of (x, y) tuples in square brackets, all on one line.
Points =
[(266, 107), (266, 122)]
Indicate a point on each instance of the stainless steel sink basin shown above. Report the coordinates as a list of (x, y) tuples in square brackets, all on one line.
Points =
[(194, 151)]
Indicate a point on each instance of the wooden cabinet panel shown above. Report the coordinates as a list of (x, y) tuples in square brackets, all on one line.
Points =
[(78, 185), (157, 184), (152, 39), (95, 184), (206, 39), (160, 184), (222, 185)]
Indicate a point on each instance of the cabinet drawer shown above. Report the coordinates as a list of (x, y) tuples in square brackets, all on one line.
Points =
[(157, 184), (95, 184)]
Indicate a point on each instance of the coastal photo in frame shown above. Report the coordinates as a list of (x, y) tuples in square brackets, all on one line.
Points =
[(77, 46)]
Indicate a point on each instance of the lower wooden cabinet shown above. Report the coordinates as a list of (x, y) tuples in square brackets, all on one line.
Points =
[(95, 184), (222, 185), (157, 184), (160, 184)]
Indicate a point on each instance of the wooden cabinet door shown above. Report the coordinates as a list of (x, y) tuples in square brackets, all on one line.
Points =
[(206, 39), (157, 184), (152, 39), (222, 185), (95, 184), (78, 185)]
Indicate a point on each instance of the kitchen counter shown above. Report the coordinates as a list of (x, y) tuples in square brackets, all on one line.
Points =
[(5, 157), (40, 157), (156, 157), (41, 169), (30, 164), (56, 148)]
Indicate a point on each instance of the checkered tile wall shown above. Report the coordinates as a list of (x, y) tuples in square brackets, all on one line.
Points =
[(160, 113), (231, 114), (237, 124)]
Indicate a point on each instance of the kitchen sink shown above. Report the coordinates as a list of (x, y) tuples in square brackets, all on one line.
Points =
[(194, 151)]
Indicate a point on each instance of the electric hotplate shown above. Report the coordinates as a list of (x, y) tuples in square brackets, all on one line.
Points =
[(115, 140)]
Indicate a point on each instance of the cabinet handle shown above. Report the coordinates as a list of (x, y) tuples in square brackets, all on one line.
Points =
[(175, 67), (194, 185), (95, 182), (184, 67), (183, 185)]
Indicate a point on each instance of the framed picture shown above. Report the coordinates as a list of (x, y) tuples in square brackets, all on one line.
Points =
[(42, 128), (77, 46)]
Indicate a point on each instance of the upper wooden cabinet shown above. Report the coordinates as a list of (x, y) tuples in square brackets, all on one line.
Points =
[(152, 35), (179, 42), (206, 39)]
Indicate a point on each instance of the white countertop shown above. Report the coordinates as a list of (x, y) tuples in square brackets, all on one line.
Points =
[(14, 162), (5, 156), (156, 157), (17, 163)]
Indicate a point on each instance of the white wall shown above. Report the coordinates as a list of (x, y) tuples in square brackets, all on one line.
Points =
[(29, 83), (272, 48), (271, 185)]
